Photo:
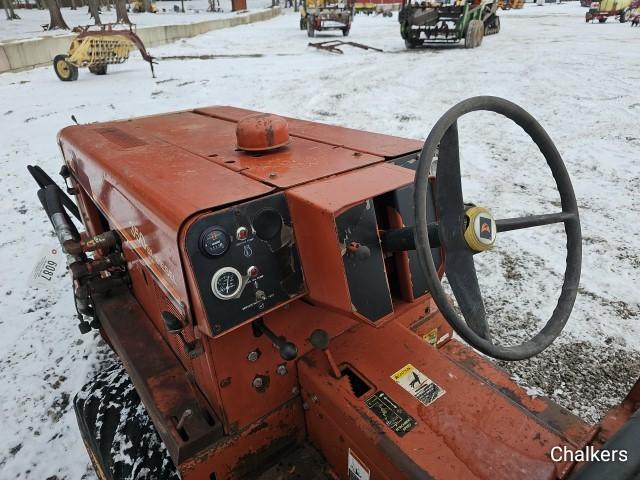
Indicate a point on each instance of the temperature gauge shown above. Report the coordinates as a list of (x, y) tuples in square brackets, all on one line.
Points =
[(214, 242), (226, 283)]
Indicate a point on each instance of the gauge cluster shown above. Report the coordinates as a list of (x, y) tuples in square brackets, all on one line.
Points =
[(245, 261)]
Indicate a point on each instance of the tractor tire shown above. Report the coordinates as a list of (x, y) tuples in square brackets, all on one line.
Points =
[(473, 36), (64, 70), (624, 15), (303, 24), (410, 43), (100, 69), (602, 20), (311, 32), (121, 440)]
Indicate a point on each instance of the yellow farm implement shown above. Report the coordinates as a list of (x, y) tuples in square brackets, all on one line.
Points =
[(509, 4), (97, 46)]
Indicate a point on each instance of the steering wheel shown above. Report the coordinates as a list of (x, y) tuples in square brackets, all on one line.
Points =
[(464, 232)]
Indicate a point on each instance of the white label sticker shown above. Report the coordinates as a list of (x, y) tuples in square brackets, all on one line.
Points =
[(417, 384), (357, 469), (49, 263)]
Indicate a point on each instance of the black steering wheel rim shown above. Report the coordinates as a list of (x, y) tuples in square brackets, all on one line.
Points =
[(569, 216)]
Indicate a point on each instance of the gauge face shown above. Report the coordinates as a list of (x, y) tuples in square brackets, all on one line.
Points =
[(214, 242), (226, 283)]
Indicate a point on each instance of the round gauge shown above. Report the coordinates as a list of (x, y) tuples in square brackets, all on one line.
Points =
[(226, 283), (214, 241)]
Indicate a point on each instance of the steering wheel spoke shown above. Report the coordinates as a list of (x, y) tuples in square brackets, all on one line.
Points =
[(508, 224), (461, 274), (449, 180)]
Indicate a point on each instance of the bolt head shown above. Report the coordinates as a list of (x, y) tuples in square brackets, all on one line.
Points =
[(257, 382), (253, 356), (281, 369)]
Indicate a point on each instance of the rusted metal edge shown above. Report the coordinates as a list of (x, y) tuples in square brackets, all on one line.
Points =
[(159, 378)]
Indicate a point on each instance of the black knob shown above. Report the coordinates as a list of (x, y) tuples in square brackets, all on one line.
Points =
[(319, 339), (288, 351)]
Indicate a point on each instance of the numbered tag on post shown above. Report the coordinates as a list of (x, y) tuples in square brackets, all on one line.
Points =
[(50, 262)]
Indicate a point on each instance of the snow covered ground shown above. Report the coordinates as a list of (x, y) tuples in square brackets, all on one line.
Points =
[(580, 80), (31, 21)]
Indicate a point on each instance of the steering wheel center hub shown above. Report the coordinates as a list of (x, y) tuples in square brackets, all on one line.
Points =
[(481, 230)]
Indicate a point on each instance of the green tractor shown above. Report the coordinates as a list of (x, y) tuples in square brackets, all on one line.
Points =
[(439, 23)]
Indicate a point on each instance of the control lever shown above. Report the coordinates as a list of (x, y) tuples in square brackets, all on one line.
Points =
[(288, 350), (320, 340), (174, 327)]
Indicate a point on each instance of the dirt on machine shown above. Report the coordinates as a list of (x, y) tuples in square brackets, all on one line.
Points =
[(96, 47), (326, 15), (439, 23)]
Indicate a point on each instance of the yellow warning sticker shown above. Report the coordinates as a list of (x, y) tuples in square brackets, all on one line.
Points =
[(431, 337), (418, 384)]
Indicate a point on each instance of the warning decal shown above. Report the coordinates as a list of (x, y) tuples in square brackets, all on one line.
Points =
[(356, 468), (431, 337), (390, 413), (417, 384)]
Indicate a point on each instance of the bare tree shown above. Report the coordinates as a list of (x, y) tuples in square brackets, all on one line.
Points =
[(94, 11), (8, 9), (55, 16), (121, 12)]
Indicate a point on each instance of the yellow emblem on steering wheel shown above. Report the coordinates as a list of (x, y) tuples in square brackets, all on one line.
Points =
[(480, 233)]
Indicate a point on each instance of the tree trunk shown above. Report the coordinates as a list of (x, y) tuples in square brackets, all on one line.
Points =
[(94, 11), (56, 20), (8, 9), (121, 12), (147, 5)]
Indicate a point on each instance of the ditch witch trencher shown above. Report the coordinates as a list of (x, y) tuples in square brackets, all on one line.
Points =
[(273, 289)]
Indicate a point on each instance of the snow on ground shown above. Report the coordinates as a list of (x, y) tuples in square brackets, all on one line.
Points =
[(580, 80), (31, 21)]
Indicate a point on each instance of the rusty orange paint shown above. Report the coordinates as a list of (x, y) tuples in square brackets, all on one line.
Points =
[(261, 132), (150, 178)]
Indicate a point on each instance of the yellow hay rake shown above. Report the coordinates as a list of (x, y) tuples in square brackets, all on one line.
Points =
[(97, 46)]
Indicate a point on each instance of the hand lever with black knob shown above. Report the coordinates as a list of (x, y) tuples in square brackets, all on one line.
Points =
[(175, 326), (320, 340), (288, 350)]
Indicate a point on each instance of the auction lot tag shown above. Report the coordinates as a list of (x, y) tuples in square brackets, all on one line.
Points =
[(417, 384), (356, 468), (49, 262)]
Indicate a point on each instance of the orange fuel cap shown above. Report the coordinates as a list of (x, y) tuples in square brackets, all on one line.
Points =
[(262, 132)]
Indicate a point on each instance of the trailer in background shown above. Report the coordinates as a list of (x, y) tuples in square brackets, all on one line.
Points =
[(322, 15)]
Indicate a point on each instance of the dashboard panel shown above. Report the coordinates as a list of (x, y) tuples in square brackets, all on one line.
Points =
[(245, 261)]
